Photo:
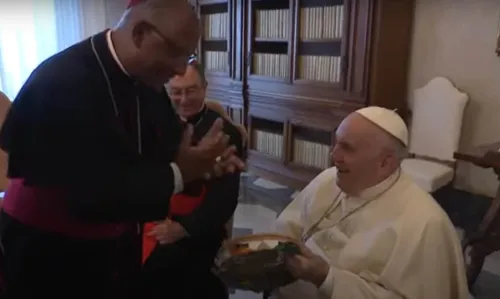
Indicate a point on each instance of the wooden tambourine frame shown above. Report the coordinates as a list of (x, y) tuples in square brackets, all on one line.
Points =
[(232, 245)]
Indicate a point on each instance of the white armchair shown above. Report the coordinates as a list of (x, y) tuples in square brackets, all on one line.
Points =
[(435, 130)]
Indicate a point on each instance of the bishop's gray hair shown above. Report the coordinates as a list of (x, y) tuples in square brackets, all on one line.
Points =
[(154, 11), (200, 68)]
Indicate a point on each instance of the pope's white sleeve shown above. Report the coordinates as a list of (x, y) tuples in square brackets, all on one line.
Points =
[(344, 284)]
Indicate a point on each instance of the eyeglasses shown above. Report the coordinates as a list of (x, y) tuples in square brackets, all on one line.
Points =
[(189, 93), (193, 59), (174, 50)]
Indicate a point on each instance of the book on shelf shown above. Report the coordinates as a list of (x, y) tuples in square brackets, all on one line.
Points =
[(216, 61), (318, 23), (320, 68), (272, 24), (311, 154), (271, 65), (236, 115), (215, 26), (268, 143)]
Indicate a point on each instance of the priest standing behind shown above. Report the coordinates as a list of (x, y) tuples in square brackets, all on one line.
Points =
[(95, 147), (369, 231)]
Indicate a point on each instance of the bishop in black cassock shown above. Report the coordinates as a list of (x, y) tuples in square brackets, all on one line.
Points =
[(94, 148)]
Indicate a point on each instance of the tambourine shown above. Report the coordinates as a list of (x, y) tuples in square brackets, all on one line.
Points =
[(256, 262)]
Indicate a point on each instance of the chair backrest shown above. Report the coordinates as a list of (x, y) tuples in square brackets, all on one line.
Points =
[(217, 107), (4, 108), (437, 115)]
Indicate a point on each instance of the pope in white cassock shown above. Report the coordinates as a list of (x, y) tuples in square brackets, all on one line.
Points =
[(369, 231)]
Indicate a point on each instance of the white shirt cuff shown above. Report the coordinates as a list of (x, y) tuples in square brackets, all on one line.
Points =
[(178, 181), (326, 288)]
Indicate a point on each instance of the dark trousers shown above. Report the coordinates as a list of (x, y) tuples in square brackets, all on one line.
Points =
[(38, 264), (182, 271)]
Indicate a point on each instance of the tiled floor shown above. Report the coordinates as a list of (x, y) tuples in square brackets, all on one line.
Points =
[(261, 201)]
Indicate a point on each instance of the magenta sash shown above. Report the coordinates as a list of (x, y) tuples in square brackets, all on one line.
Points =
[(47, 209)]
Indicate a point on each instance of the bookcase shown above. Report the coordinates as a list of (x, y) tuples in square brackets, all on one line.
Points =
[(269, 31), (218, 52), (319, 28), (310, 147), (214, 41), (296, 68)]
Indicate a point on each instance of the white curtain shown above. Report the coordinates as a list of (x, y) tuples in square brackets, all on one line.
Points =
[(33, 30), (93, 16), (99, 14), (68, 22), (29, 34)]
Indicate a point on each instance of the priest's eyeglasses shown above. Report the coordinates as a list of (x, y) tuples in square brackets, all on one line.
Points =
[(188, 93), (193, 59)]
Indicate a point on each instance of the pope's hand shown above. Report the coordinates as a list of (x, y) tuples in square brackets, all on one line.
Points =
[(308, 266), (168, 232)]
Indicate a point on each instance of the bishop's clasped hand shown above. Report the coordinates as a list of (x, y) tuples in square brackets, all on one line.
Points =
[(212, 156)]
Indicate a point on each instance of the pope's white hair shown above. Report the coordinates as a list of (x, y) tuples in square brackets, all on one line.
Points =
[(400, 149), (388, 142)]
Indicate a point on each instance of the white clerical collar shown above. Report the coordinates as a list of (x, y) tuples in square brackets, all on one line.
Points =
[(185, 119), (113, 51), (381, 187)]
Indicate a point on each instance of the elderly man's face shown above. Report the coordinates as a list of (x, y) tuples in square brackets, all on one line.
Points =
[(187, 92), (358, 154)]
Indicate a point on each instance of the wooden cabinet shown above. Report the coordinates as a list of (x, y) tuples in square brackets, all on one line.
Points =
[(291, 70), (220, 52)]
